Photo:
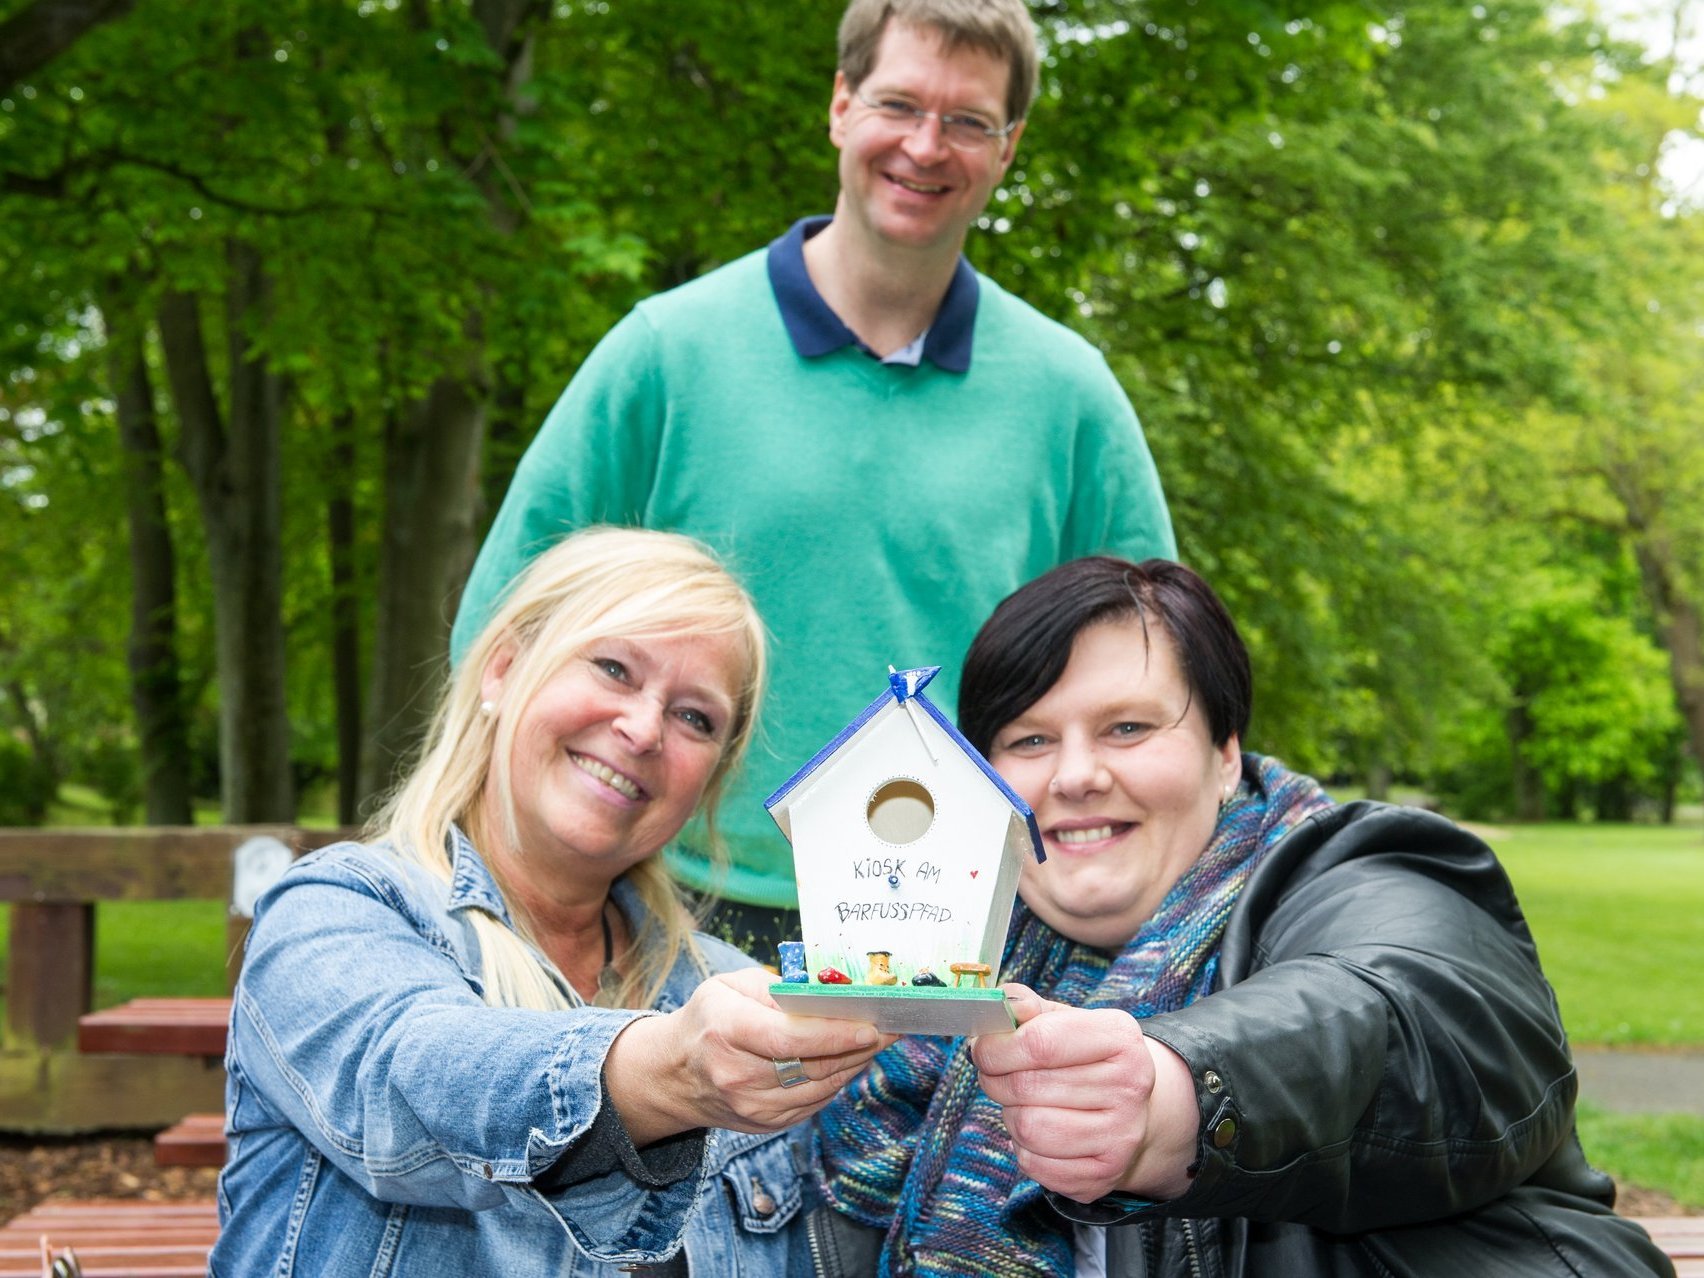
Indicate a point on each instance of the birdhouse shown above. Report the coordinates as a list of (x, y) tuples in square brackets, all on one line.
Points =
[(907, 848)]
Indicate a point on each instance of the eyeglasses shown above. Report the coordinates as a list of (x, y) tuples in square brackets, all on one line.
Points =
[(962, 132)]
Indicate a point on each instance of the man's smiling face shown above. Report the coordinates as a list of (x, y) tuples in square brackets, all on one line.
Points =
[(906, 186)]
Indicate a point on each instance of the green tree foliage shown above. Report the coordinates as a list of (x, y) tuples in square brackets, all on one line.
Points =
[(1314, 299), (1390, 284), (62, 617), (328, 237), (1588, 721)]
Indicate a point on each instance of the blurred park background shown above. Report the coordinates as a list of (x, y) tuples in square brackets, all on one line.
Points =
[(1408, 295)]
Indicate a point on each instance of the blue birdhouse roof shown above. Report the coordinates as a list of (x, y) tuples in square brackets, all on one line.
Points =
[(904, 686)]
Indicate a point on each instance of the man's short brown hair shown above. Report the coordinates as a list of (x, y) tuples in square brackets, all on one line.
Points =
[(1001, 28)]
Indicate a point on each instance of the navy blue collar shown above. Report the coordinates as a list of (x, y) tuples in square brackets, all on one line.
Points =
[(816, 330)]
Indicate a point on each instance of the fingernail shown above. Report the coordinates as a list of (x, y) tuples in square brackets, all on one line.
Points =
[(868, 1037)]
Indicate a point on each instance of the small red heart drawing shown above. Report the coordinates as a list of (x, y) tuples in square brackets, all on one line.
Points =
[(974, 873)]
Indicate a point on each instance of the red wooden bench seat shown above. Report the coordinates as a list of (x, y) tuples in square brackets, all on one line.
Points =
[(1682, 1238), (114, 1239), (168, 1026), (175, 1026), (197, 1141)]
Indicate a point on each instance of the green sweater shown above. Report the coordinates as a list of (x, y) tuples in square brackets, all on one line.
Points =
[(877, 513)]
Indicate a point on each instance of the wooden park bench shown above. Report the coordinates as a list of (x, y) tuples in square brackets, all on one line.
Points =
[(128, 1076), (197, 1140), (113, 1239), (170, 1026), (175, 1027), (1682, 1240)]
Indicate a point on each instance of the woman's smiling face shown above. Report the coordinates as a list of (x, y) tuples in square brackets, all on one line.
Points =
[(1121, 770), (614, 751)]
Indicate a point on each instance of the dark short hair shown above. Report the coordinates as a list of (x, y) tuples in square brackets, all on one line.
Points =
[(1023, 648)]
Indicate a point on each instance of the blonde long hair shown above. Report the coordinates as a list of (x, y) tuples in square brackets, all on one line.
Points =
[(600, 583)]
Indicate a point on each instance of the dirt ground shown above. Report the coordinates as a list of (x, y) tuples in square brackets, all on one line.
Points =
[(32, 1169), (111, 1166)]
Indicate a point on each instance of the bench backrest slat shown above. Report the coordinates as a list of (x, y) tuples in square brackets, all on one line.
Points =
[(162, 863)]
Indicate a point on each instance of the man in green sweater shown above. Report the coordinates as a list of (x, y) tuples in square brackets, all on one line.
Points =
[(880, 442)]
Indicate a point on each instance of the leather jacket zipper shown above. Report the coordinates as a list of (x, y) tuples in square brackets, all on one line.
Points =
[(1195, 1269)]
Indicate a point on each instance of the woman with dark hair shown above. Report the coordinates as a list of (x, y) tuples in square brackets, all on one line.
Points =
[(1263, 1033)]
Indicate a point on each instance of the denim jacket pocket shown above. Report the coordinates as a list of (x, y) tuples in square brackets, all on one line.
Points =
[(764, 1187)]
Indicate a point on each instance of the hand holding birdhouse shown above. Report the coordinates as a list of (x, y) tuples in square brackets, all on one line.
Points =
[(731, 1058), (1092, 1104)]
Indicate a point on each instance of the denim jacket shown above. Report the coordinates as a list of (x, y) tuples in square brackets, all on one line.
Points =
[(384, 1120)]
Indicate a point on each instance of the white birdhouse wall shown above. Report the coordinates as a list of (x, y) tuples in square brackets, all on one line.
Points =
[(900, 853)]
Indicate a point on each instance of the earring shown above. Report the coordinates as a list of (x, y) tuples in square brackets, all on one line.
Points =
[(487, 707)]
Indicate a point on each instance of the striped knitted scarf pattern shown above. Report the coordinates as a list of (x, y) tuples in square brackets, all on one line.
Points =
[(915, 1147)]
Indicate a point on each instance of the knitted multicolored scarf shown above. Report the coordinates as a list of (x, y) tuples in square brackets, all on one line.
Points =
[(913, 1145)]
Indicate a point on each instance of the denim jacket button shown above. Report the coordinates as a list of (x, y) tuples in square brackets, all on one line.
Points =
[(761, 1202), (485, 1170)]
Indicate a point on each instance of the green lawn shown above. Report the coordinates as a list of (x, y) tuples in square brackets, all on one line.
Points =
[(152, 949), (1658, 1151), (1618, 913)]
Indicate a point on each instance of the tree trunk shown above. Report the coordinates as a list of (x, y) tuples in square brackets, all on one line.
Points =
[(156, 692), (345, 619), (1680, 622), (431, 487), (235, 473), (1671, 788), (1528, 785), (40, 32), (1378, 776), (36, 791), (1614, 801), (432, 502), (507, 434)]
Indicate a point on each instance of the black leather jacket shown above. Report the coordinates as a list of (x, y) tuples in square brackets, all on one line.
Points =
[(1384, 1084)]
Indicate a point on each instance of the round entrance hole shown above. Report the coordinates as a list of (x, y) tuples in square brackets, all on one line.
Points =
[(901, 811)]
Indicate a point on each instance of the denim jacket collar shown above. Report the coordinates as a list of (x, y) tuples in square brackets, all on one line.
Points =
[(471, 884), (473, 887)]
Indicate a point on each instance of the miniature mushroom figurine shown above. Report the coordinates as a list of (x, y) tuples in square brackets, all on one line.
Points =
[(880, 973)]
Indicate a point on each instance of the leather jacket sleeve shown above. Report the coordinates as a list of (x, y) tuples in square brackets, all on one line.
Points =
[(1383, 1048)]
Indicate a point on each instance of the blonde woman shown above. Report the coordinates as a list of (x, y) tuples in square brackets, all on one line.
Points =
[(487, 1041)]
